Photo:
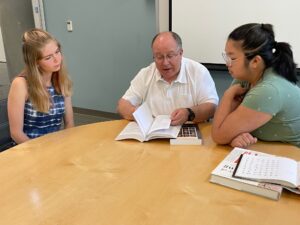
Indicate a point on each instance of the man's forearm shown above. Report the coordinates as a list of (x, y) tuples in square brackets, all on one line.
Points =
[(204, 111), (126, 109)]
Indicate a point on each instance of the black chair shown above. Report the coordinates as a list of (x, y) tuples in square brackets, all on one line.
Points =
[(5, 139), (7, 145)]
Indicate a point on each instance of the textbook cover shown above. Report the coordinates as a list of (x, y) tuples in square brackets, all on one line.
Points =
[(189, 134)]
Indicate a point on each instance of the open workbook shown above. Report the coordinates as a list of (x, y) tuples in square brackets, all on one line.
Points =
[(223, 175), (271, 169), (147, 127)]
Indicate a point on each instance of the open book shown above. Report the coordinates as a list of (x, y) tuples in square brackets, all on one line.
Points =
[(222, 174), (189, 135), (146, 127), (271, 169)]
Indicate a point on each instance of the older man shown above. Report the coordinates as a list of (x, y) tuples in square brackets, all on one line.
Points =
[(172, 85)]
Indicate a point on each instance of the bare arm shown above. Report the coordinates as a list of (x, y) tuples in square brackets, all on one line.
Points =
[(68, 117), (15, 107), (232, 119), (125, 109), (202, 112)]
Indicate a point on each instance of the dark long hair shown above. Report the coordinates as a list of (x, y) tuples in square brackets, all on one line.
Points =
[(259, 39)]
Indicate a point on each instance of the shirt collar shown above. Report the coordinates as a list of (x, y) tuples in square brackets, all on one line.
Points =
[(181, 78)]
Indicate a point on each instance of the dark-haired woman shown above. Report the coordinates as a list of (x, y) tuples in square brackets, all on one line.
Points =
[(263, 101)]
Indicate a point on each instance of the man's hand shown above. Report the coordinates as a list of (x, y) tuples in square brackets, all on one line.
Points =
[(179, 116), (243, 140)]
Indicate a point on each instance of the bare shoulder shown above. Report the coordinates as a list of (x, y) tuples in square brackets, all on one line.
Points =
[(19, 81), (19, 86)]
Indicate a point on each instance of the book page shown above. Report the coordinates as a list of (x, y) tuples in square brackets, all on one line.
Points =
[(273, 169), (298, 181), (160, 122), (228, 165), (144, 118), (172, 132), (131, 131)]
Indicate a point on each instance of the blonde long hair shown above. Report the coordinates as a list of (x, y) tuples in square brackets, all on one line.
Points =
[(34, 41)]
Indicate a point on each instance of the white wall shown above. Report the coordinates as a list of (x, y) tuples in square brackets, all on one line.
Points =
[(204, 25), (2, 53)]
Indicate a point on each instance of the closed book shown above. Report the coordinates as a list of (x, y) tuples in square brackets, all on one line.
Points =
[(189, 134), (223, 175)]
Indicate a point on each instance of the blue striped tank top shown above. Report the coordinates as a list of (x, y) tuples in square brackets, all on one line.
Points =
[(37, 123)]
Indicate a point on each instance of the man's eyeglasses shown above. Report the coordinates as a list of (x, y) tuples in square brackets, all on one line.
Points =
[(227, 59), (168, 57)]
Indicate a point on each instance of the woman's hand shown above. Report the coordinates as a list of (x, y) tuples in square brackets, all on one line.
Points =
[(235, 94), (243, 140)]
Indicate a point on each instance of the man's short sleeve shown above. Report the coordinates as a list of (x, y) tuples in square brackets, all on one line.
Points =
[(206, 87), (137, 91)]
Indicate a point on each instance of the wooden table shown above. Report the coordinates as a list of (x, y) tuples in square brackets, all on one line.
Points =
[(82, 176)]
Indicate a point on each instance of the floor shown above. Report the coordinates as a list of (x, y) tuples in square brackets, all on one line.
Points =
[(81, 119)]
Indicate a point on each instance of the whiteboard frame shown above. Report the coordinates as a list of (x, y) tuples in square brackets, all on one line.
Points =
[(205, 25)]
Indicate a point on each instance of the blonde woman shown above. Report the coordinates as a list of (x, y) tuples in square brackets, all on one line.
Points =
[(39, 99)]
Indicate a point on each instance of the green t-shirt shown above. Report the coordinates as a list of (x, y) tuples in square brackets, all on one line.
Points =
[(275, 95)]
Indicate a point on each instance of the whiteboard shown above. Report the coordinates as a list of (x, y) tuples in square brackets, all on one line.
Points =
[(205, 25)]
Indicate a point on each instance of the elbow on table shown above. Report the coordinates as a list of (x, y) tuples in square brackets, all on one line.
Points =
[(15, 137), (220, 137), (127, 117), (124, 109), (120, 107)]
